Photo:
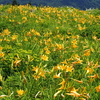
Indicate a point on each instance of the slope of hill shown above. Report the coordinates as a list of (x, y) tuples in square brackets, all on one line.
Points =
[(49, 53), (81, 4)]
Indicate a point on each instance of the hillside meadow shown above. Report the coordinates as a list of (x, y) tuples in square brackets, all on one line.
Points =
[(49, 53)]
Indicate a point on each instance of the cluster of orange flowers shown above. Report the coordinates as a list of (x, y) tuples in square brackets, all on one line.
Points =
[(66, 51)]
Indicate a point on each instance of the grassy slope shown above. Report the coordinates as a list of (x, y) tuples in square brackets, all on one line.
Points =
[(48, 50)]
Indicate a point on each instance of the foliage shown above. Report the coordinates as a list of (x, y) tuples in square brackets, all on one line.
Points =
[(14, 2), (80, 4)]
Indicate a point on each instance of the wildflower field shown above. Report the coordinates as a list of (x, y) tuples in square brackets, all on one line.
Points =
[(49, 53)]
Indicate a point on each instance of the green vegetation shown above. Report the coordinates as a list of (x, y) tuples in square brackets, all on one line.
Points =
[(14, 2), (49, 53)]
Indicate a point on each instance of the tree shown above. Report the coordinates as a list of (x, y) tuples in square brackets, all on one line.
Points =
[(14, 2), (30, 3)]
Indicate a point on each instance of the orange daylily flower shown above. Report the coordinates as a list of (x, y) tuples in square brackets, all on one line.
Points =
[(56, 93), (64, 62), (58, 67), (69, 68), (16, 62), (87, 52), (38, 72), (77, 80), (24, 18), (14, 37), (62, 85), (82, 98), (60, 46), (1, 40), (89, 70), (47, 52), (97, 88), (74, 42), (1, 48), (37, 33), (36, 77), (57, 75), (94, 76), (78, 61), (44, 57), (63, 82), (74, 46), (36, 69), (20, 92), (74, 93), (76, 56), (6, 32), (2, 54), (42, 73), (63, 67), (96, 65)]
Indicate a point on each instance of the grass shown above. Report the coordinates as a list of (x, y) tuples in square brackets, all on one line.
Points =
[(49, 53)]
